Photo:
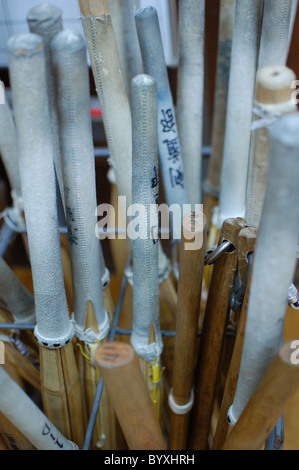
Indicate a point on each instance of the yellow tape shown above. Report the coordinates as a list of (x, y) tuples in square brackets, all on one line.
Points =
[(156, 380), (156, 373)]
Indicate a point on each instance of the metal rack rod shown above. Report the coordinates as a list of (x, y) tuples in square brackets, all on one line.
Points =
[(103, 152)]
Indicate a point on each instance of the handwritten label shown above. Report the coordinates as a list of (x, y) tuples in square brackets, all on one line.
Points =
[(176, 177), (168, 121), (155, 179), (47, 432), (173, 149), (154, 210)]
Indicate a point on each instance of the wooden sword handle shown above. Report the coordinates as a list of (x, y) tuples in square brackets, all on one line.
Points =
[(213, 331), (246, 244), (267, 403), (191, 265), (129, 396)]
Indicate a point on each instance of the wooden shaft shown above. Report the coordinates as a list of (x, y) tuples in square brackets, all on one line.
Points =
[(94, 7), (247, 239), (117, 16), (127, 390), (273, 95), (73, 392), (268, 402), (179, 427), (209, 203), (214, 327), (61, 391), (211, 242), (53, 390), (22, 366), (246, 244), (188, 308), (89, 379), (168, 305), (119, 246), (120, 250)]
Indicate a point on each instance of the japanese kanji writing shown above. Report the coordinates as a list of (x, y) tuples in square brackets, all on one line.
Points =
[(168, 121), (72, 237), (155, 179), (176, 177), (173, 149), (70, 214)]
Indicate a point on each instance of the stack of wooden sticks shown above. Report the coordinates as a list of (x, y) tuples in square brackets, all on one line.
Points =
[(189, 341)]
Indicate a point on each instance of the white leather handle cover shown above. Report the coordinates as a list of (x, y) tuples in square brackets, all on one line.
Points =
[(274, 261)]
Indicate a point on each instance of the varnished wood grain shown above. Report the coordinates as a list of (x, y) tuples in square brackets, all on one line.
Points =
[(94, 7), (247, 239), (129, 395), (188, 308), (267, 404), (214, 327)]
